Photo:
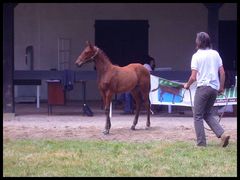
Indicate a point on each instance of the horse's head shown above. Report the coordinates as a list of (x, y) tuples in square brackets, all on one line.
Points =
[(88, 54)]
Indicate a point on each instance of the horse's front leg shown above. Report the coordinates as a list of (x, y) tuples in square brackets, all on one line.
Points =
[(107, 111), (103, 98)]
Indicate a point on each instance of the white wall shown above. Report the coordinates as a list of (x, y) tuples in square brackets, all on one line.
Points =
[(172, 32)]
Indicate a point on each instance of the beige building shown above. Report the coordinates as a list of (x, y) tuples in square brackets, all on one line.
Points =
[(47, 26)]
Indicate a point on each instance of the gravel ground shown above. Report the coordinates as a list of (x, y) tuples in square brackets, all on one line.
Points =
[(78, 126)]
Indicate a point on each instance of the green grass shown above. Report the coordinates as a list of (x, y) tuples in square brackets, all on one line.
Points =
[(112, 158)]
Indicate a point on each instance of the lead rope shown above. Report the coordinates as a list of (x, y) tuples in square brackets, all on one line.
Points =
[(220, 116)]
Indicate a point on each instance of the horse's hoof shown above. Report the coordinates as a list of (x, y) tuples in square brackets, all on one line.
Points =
[(133, 128), (106, 132)]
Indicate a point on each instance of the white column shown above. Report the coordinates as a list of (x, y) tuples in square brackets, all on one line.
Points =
[(169, 109), (38, 96)]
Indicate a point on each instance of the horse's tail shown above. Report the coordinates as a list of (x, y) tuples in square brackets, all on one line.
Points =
[(156, 88)]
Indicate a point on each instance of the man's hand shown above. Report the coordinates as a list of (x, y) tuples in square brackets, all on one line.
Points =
[(221, 90), (186, 86)]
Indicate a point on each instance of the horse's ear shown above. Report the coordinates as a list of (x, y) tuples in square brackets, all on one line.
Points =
[(89, 44)]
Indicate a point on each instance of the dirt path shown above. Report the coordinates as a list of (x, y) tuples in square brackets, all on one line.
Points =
[(83, 127)]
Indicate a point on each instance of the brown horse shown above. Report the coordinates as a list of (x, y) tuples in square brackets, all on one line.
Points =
[(113, 79)]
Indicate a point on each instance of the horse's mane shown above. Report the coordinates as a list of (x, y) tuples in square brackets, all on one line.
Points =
[(105, 57)]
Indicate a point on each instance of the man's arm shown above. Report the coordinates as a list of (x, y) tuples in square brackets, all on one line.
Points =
[(191, 79), (222, 79)]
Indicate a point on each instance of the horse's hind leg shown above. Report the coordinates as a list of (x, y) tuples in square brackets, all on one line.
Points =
[(137, 97), (147, 105), (145, 97)]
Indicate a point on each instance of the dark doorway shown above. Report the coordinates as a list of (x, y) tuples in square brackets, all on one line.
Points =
[(228, 44), (124, 41)]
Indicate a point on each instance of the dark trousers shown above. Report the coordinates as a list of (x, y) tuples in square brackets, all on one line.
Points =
[(128, 107), (204, 99)]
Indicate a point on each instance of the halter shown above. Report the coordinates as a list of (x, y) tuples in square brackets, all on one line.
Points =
[(95, 54)]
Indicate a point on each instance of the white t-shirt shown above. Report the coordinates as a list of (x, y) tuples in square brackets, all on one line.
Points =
[(207, 62)]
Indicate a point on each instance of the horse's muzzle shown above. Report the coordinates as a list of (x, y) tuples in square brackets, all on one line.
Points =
[(79, 64)]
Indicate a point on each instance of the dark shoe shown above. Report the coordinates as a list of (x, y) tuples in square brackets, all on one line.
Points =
[(224, 140), (201, 146)]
